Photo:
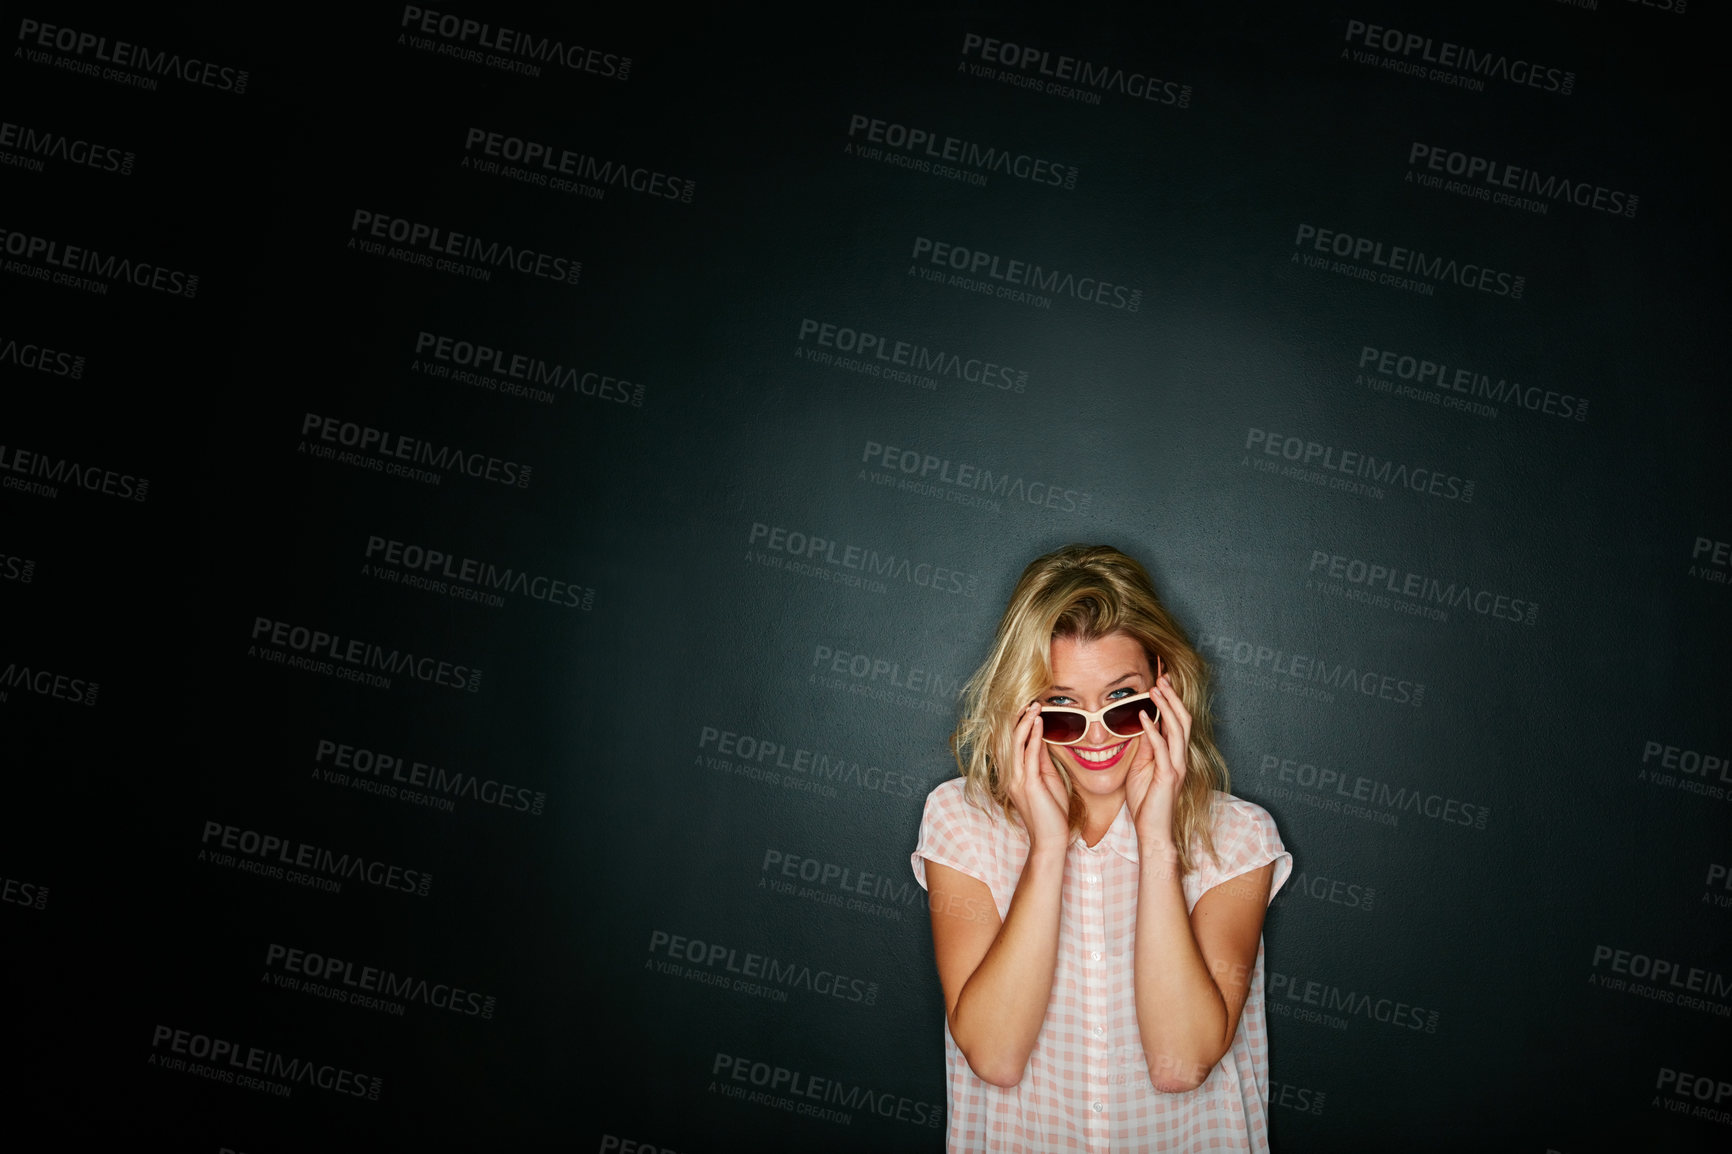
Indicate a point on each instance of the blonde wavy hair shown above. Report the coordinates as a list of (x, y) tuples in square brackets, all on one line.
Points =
[(1084, 592)]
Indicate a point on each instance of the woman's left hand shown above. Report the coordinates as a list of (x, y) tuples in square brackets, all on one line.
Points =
[(1158, 774)]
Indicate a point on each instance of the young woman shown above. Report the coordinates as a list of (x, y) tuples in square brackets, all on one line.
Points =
[(1097, 898)]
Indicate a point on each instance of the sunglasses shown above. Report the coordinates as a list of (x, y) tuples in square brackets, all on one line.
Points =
[(1062, 725)]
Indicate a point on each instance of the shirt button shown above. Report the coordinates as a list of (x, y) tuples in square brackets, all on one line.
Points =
[(1099, 1106), (1095, 956), (1099, 1031), (1092, 879)]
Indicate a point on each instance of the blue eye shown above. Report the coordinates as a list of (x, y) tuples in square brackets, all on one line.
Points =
[(1058, 699), (1118, 693)]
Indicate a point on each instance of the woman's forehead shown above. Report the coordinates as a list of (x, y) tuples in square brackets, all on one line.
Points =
[(1079, 662)]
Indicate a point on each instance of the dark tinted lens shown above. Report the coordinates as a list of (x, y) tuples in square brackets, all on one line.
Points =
[(1125, 720), (1062, 726)]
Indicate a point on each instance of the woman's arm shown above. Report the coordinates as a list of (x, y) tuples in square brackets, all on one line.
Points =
[(1193, 972), (1193, 969), (997, 975)]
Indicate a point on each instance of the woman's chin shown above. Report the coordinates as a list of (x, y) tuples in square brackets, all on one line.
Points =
[(1099, 782)]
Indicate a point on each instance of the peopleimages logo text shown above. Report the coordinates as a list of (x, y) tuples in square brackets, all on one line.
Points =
[(16, 568), (779, 1080), (1026, 274), (487, 579), (1711, 560), (1445, 55), (1341, 789), (361, 979), (847, 879), (125, 54), (384, 443), (1682, 979), (550, 161), (933, 146), (1502, 179), (38, 144), (1410, 262), (319, 645), (279, 853), (51, 471), (1305, 669), (1447, 379), (1427, 595), (511, 46), (930, 472), (436, 241), (40, 358), (82, 260), (380, 767), (1343, 1003), (232, 1062), (764, 968), (18, 892), (1074, 71), (913, 355), (472, 362), (748, 749), (1367, 468), (47, 683), (859, 558)]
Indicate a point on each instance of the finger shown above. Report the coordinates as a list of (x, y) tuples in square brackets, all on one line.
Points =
[(1175, 742), (1032, 741), (1031, 756), (1158, 750), (1145, 754), (1149, 724), (1034, 774), (1179, 734), (1175, 704), (1028, 722)]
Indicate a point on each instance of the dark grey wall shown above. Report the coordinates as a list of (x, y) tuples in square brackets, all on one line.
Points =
[(511, 529)]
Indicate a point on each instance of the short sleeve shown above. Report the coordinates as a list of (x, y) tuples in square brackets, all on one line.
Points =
[(1245, 839), (952, 833)]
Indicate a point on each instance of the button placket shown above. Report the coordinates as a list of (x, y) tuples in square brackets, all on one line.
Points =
[(1095, 986)]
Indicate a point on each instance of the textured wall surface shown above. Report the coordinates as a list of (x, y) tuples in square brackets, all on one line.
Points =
[(497, 506)]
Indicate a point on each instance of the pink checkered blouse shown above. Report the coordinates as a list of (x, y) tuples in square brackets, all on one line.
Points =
[(1087, 1085)]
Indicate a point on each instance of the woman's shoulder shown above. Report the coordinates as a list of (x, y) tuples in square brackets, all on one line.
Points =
[(956, 832), (1228, 814), (947, 792), (949, 805), (950, 799), (1244, 834)]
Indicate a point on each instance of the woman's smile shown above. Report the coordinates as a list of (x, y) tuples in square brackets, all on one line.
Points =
[(1103, 758)]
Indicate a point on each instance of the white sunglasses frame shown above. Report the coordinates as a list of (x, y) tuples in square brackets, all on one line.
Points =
[(1092, 716)]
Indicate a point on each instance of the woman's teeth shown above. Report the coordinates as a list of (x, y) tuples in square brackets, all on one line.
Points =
[(1100, 755)]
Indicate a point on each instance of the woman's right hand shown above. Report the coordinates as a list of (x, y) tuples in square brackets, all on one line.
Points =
[(1035, 787)]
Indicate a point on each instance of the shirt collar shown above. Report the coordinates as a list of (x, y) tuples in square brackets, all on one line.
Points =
[(1121, 837)]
